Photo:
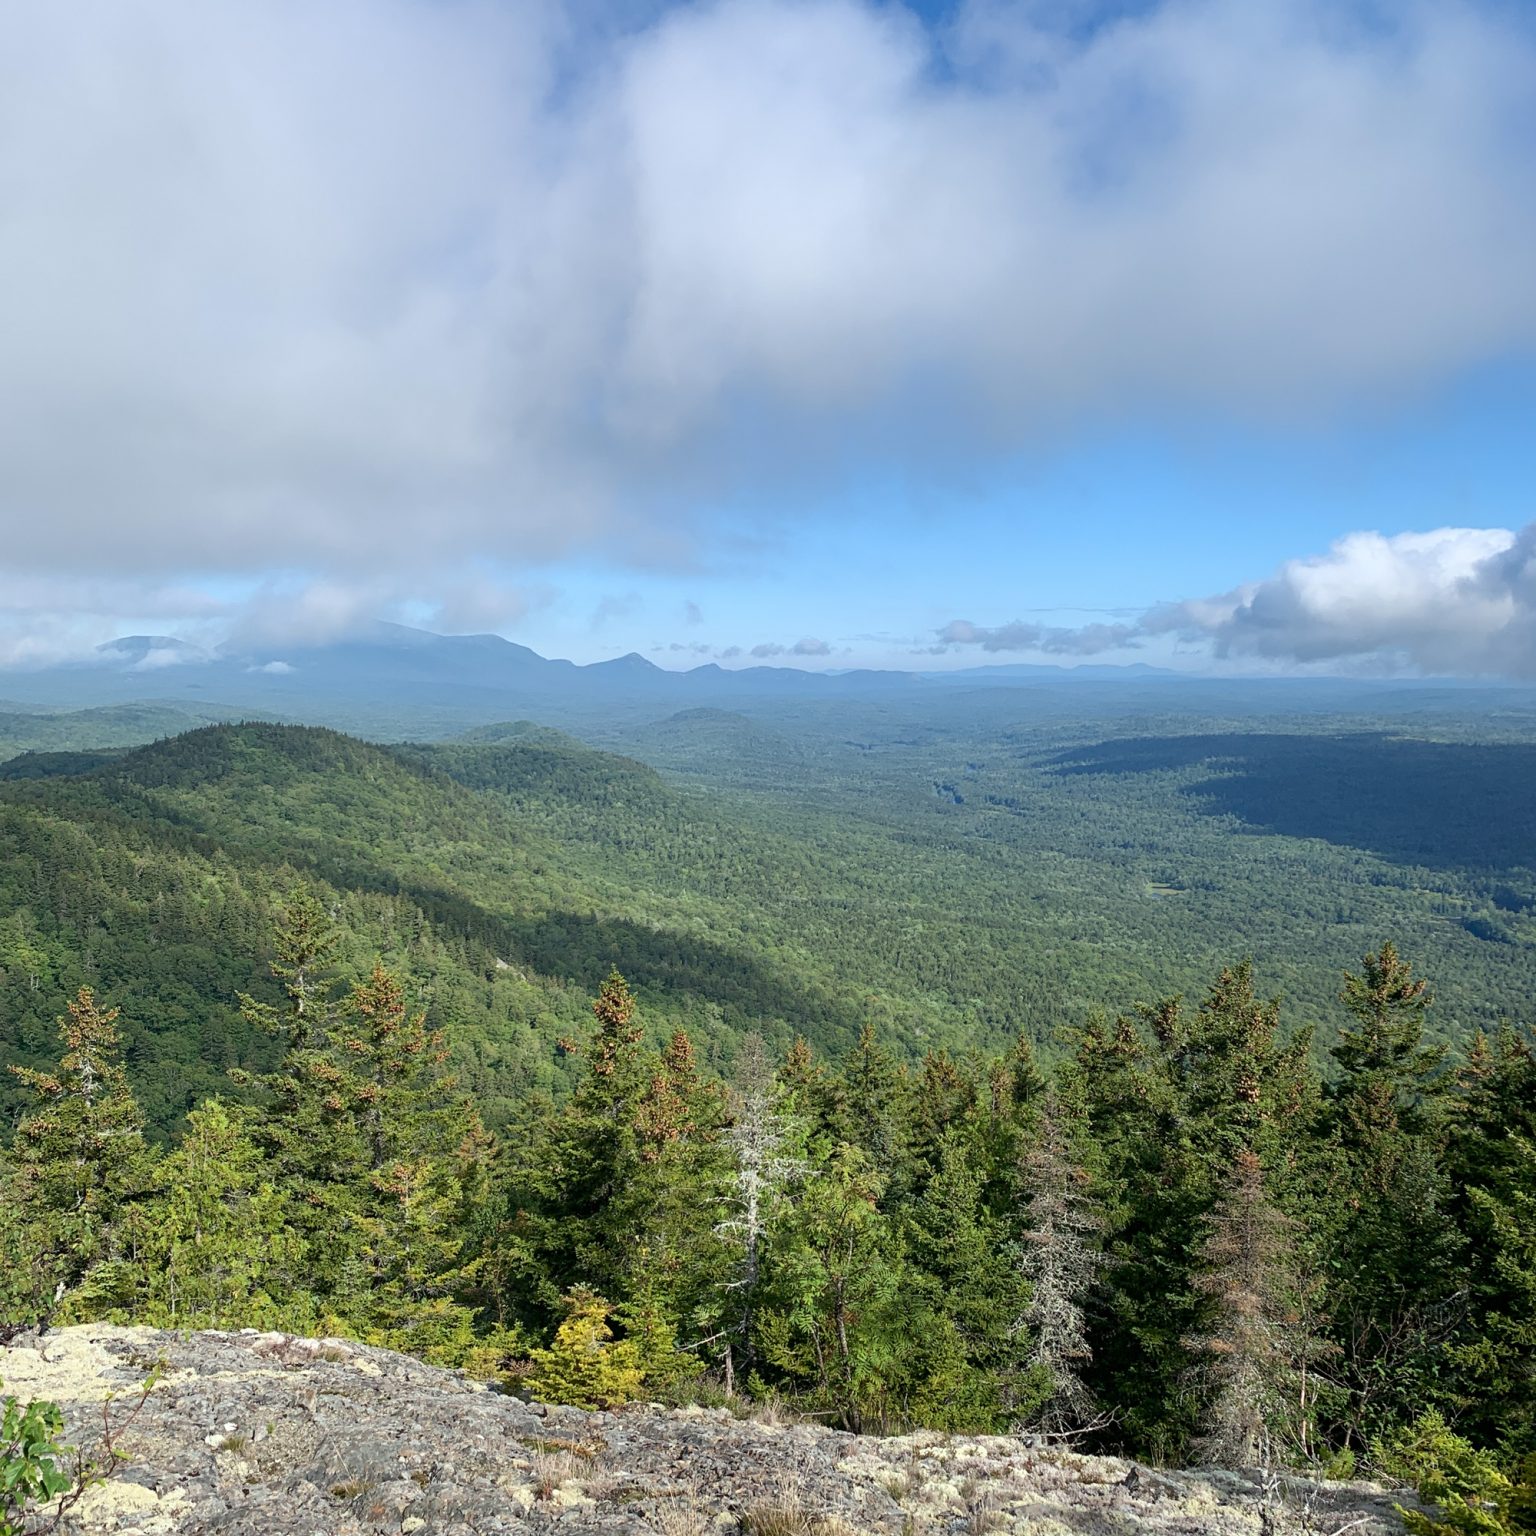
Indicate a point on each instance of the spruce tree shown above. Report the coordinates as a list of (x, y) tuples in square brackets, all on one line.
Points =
[(869, 1108), (963, 1365), (309, 1130), (1391, 1253), (586, 1366), (568, 1182), (1491, 1165), (1059, 1258), (1171, 1095), (762, 1167), (381, 1160), (1256, 1348), (305, 941), (216, 1247), (830, 1317), (660, 1222), (421, 1155), (618, 1189), (78, 1161)]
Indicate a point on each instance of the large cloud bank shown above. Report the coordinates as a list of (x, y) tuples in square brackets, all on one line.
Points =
[(1455, 600), (366, 288)]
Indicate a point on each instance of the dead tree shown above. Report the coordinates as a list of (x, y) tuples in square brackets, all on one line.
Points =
[(756, 1138), (1059, 1256), (1257, 1348)]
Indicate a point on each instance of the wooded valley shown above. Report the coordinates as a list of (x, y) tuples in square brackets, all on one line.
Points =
[(336, 1068)]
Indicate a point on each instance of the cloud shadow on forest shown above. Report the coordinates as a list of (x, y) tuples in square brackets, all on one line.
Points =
[(1439, 805)]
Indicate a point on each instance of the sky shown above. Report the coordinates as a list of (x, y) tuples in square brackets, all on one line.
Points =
[(828, 333)]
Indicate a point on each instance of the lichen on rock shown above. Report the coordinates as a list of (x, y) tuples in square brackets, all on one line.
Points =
[(251, 1434)]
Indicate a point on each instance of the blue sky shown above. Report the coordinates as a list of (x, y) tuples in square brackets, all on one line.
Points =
[(1114, 522), (1172, 330)]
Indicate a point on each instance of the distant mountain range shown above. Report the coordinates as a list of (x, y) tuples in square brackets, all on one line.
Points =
[(391, 671)]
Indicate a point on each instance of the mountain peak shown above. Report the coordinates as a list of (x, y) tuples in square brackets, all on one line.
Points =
[(139, 650), (632, 661)]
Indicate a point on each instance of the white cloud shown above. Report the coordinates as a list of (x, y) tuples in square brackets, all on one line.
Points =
[(1449, 601), (1454, 600), (364, 289), (161, 656)]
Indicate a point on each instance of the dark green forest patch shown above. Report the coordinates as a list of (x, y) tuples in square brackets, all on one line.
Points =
[(1441, 805)]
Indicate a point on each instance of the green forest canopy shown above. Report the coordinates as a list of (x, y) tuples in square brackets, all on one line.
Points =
[(302, 950)]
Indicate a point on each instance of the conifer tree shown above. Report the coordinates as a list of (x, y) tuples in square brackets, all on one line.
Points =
[(77, 1162), (869, 1111), (943, 1095), (421, 1153), (1004, 1121), (1255, 1345), (660, 1220), (1170, 1096), (961, 1295), (762, 1167), (830, 1317), (618, 1189), (1059, 1258), (309, 1131), (1391, 1252), (216, 1247), (1492, 1171), (676, 1105), (810, 1095), (379, 1158), (305, 941), (568, 1182), (666, 1371), (586, 1366), (611, 1053)]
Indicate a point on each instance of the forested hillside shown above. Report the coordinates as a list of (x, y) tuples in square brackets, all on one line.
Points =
[(113, 725), (785, 875), (1181, 1244), (302, 1030), (1045, 854), (154, 877)]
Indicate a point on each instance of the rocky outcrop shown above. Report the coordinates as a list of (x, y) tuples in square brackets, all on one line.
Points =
[(251, 1434)]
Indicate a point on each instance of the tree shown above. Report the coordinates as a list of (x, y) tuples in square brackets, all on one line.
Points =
[(762, 1168), (380, 1160), (1256, 1347), (422, 1151), (868, 1112), (77, 1162), (579, 1161), (1391, 1253), (961, 1294), (304, 942), (617, 1189), (216, 1247), (585, 1366), (1058, 1258), (1491, 1166), (309, 1131), (660, 1222), (1467, 1491), (830, 1316), (1170, 1096)]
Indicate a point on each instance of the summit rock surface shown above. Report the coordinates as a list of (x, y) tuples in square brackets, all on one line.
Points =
[(266, 1434)]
